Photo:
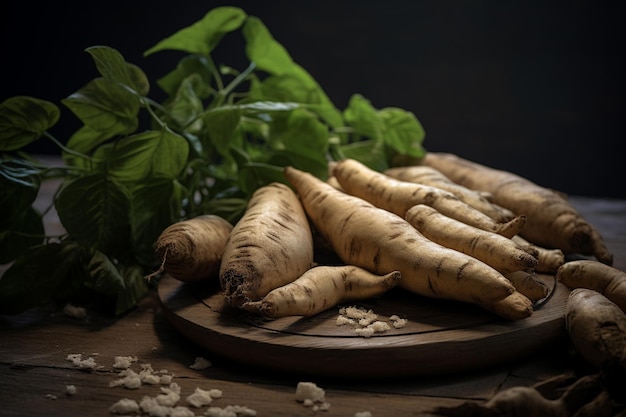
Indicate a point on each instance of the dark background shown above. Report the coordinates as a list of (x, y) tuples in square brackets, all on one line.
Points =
[(533, 87)]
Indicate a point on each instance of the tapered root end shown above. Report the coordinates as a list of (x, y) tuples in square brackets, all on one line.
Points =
[(257, 307), (514, 307), (177, 259), (513, 227), (232, 283)]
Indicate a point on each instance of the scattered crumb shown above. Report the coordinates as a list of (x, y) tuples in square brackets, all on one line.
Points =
[(362, 414), (200, 363), (397, 321), (75, 312), (169, 395), (77, 360), (310, 395), (70, 389), (124, 362), (342, 320), (125, 406), (230, 411), (364, 331), (379, 326), (130, 380), (151, 406), (366, 322), (165, 379), (51, 396), (309, 391), (199, 398)]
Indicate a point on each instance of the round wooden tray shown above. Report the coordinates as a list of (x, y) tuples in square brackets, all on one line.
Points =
[(440, 336)]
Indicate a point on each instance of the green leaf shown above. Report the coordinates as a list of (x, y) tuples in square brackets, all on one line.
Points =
[(106, 108), (84, 141), (155, 204), (191, 65), (41, 275), (103, 276), (26, 230), (20, 183), (135, 289), (369, 152), (302, 139), (271, 56), (363, 118), (95, 211), (112, 66), (230, 209), (151, 154), (403, 132), (255, 175), (203, 36), (186, 107), (398, 130), (24, 119), (220, 125)]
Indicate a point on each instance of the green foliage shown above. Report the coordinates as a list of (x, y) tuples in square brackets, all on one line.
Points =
[(219, 135)]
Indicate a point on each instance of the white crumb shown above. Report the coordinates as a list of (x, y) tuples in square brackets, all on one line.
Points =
[(130, 379), (123, 362), (169, 395), (74, 312), (200, 363), (77, 360), (230, 411), (309, 391), (125, 406)]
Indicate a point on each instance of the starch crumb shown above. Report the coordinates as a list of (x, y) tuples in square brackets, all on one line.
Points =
[(201, 397), (309, 391), (70, 389), (366, 322), (230, 411), (169, 395), (124, 406), (123, 362), (77, 360), (363, 414), (74, 312), (200, 363), (130, 380)]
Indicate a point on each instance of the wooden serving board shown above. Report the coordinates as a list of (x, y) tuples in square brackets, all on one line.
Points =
[(440, 336)]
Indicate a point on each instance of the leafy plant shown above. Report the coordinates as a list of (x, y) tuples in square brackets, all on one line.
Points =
[(219, 135)]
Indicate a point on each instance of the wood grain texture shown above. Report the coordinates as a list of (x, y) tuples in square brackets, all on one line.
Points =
[(440, 336)]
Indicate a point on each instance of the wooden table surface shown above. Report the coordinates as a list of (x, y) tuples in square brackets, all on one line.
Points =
[(35, 371)]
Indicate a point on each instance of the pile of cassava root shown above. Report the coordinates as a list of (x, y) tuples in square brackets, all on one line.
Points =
[(446, 228)]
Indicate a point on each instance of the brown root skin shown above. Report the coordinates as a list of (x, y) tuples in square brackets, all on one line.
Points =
[(597, 328), (548, 260), (496, 250), (321, 288), (191, 250), (398, 197), (552, 222), (381, 242), (584, 397), (529, 285), (270, 246), (605, 279), (426, 175), (514, 307)]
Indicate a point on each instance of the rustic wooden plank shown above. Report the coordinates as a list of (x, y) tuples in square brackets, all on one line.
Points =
[(28, 391), (34, 347), (440, 336)]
